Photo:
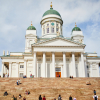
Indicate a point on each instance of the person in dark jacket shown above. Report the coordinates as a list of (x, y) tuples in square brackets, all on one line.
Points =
[(40, 98), (70, 98)]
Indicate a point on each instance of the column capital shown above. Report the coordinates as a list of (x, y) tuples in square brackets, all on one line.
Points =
[(25, 60), (10, 62), (73, 52), (17, 62), (64, 52), (53, 52)]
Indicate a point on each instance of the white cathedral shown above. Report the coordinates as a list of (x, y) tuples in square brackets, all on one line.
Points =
[(52, 54)]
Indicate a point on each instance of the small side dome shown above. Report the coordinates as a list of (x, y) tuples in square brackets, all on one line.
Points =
[(31, 27), (76, 28)]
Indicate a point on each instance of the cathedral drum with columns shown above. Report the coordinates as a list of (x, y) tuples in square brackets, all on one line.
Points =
[(52, 54)]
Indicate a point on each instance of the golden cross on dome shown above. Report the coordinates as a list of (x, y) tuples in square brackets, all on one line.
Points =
[(75, 24), (51, 5), (31, 23)]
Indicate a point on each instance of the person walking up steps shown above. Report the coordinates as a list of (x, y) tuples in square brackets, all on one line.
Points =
[(95, 97)]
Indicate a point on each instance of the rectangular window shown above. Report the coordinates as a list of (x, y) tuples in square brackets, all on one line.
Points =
[(57, 69), (48, 70), (57, 29), (21, 75), (47, 24), (52, 30), (57, 25), (21, 66)]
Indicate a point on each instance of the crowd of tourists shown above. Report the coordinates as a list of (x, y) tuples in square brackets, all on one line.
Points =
[(95, 97)]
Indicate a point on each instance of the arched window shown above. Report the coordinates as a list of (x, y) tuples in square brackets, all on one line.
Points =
[(47, 30), (52, 29)]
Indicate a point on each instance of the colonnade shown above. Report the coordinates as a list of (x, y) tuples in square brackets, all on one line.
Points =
[(83, 66), (64, 65)]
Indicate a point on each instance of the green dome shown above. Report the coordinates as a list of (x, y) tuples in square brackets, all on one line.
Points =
[(76, 29), (51, 11), (31, 28)]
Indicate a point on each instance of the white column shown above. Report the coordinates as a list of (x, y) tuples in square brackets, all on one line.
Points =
[(90, 69), (17, 69), (85, 64), (7, 71), (82, 64), (97, 69), (2, 70), (64, 65), (73, 65), (53, 64), (34, 65), (10, 69), (44, 65), (25, 67)]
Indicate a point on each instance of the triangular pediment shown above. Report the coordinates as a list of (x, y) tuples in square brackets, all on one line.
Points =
[(30, 35), (58, 42)]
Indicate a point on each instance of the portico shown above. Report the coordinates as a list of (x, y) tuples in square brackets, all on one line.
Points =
[(65, 61)]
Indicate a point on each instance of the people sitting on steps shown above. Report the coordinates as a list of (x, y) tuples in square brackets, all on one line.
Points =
[(13, 98), (17, 82), (28, 92), (24, 76), (20, 96), (88, 83), (71, 77), (5, 94), (74, 98), (24, 98)]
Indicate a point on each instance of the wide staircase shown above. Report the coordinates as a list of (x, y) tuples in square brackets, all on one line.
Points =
[(50, 87)]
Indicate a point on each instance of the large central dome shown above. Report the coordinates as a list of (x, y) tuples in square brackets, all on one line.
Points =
[(51, 11)]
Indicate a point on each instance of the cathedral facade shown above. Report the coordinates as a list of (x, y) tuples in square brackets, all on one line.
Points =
[(52, 54)]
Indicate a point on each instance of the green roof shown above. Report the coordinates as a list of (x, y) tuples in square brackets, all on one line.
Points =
[(51, 11), (76, 29), (31, 28)]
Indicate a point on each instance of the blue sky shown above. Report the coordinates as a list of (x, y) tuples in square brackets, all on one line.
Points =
[(16, 16)]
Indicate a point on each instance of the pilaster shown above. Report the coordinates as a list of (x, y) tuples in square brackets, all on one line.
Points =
[(25, 67), (91, 69), (2, 70), (82, 64), (73, 64), (17, 69), (53, 64), (64, 65), (44, 65), (34, 65), (10, 69)]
